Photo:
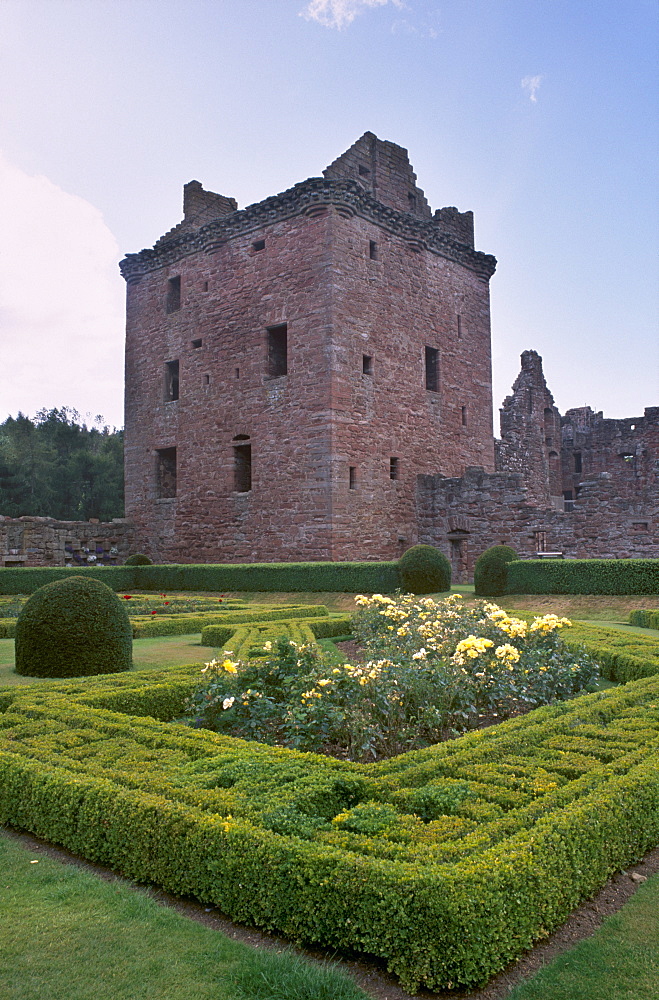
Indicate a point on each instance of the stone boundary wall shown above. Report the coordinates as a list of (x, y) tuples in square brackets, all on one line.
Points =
[(43, 541), (464, 516)]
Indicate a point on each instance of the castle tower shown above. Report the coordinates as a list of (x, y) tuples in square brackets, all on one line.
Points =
[(293, 366)]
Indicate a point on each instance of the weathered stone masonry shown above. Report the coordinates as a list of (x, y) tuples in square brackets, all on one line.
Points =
[(43, 541), (292, 367), (309, 378)]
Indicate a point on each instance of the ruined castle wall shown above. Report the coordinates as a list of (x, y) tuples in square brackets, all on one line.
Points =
[(464, 516), (627, 450), (43, 541)]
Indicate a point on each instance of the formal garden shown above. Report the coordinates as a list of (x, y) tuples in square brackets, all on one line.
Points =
[(433, 779)]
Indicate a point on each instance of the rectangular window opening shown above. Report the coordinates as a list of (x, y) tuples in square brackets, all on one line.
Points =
[(459, 327), (278, 351), (367, 364), (242, 468), (464, 416), (166, 473), (432, 369), (412, 201), (204, 286), (171, 381), (207, 379), (372, 249), (577, 461), (258, 245), (363, 171), (352, 477), (197, 344), (237, 372), (173, 294), (393, 468)]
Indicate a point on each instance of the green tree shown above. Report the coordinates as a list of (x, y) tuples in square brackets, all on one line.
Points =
[(57, 466)]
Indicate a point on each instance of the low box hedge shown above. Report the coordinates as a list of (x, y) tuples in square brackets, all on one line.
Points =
[(320, 628), (182, 624), (583, 576), (446, 862), (645, 619), (351, 577), (622, 656)]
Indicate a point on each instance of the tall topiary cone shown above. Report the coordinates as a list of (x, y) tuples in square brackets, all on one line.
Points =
[(72, 628), (424, 569), (490, 571)]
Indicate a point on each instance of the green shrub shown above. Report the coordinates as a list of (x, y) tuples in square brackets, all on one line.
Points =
[(583, 576), (491, 569), (138, 559), (73, 628), (355, 577), (645, 619), (424, 570), (446, 863)]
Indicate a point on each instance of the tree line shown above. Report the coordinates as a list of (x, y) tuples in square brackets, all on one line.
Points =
[(57, 466)]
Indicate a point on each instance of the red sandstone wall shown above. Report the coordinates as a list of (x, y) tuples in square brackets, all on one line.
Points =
[(390, 309)]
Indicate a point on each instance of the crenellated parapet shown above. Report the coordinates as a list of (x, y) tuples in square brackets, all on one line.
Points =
[(316, 194)]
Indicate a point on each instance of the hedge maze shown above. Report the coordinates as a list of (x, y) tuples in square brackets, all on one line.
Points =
[(446, 862)]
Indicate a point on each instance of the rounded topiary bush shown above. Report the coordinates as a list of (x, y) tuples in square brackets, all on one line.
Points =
[(490, 571), (138, 559), (72, 628), (424, 569)]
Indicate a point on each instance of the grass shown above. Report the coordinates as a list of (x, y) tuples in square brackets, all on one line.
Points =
[(69, 935), (619, 962), (148, 654)]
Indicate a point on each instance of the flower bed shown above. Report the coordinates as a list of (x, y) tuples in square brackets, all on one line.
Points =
[(432, 669)]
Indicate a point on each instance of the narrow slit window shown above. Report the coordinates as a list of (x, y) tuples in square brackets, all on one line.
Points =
[(207, 380), (242, 464), (373, 249), (411, 198), (577, 461), (258, 245), (204, 286), (171, 381), (352, 477), (459, 327), (367, 364), (278, 351), (166, 473), (173, 294), (393, 468), (432, 369), (464, 416)]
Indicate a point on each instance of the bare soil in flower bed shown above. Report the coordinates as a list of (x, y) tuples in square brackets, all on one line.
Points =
[(377, 983)]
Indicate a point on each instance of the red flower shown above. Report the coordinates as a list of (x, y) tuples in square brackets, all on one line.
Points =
[(163, 595), (154, 612), (127, 597), (167, 602)]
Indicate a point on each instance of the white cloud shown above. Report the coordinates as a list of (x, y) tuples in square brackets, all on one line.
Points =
[(340, 13), (532, 85), (61, 301)]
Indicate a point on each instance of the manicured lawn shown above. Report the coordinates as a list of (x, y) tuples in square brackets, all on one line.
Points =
[(148, 654), (69, 935), (619, 962)]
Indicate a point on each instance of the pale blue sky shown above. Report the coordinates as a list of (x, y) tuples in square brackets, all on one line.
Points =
[(540, 116)]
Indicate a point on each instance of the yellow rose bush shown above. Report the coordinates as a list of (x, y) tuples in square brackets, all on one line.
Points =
[(431, 670)]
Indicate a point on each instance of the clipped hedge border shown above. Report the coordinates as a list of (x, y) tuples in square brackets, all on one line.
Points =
[(644, 619), (583, 576), (320, 628), (350, 577), (622, 656), (568, 794)]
